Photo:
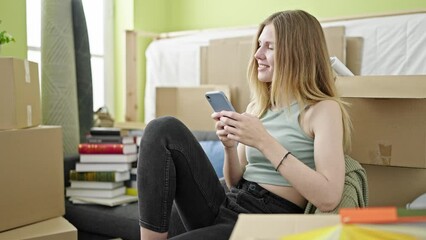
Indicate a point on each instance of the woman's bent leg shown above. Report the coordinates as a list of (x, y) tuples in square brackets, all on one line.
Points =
[(173, 166)]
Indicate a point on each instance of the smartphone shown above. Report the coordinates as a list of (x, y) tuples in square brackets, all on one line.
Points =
[(219, 101)]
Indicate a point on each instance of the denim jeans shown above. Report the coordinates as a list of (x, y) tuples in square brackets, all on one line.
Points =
[(172, 166)]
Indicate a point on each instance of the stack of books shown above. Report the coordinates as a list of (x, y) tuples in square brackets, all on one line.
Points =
[(101, 176)]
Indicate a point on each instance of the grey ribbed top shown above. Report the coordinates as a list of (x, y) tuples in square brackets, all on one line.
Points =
[(284, 126)]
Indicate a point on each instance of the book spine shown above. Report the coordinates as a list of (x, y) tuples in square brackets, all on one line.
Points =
[(99, 140), (105, 131), (92, 176), (86, 148)]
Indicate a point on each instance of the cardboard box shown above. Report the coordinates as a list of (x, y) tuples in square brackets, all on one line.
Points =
[(188, 104), (336, 42), (394, 186), (389, 119), (19, 94), (354, 47), (53, 229), (233, 71), (31, 176), (275, 226)]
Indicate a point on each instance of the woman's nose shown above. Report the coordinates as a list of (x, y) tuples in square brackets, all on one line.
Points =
[(259, 54)]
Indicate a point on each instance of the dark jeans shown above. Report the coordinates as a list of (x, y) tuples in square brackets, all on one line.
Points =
[(172, 166)]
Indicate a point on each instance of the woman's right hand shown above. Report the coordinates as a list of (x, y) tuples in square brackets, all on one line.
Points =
[(222, 133)]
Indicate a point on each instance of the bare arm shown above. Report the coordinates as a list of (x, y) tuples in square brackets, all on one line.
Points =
[(234, 165), (324, 186), (234, 159)]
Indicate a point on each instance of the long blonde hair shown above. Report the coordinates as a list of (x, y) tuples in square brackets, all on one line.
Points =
[(302, 68)]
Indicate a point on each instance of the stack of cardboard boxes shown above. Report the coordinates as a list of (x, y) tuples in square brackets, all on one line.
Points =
[(389, 137), (31, 161)]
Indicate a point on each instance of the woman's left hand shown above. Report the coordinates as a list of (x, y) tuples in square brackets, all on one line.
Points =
[(245, 128)]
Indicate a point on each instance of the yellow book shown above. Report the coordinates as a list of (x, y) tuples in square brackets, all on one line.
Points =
[(132, 191)]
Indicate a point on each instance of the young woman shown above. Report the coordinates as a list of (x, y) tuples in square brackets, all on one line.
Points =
[(287, 149)]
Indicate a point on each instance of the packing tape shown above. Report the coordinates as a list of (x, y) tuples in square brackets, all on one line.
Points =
[(27, 71), (29, 115)]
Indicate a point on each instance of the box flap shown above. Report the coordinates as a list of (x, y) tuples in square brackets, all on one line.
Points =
[(401, 86), (55, 228), (274, 226)]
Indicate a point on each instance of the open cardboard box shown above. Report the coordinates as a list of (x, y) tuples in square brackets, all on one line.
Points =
[(389, 119), (275, 226), (188, 104)]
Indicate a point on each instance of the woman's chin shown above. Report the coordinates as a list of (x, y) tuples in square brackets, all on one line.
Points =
[(265, 80)]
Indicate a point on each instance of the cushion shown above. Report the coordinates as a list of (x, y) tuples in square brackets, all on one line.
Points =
[(120, 221), (215, 153)]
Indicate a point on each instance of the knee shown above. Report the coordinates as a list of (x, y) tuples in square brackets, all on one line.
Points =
[(163, 125)]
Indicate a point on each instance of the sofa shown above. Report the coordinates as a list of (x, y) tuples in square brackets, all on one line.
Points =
[(96, 222)]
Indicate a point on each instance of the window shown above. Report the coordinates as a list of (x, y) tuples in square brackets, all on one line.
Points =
[(99, 17)]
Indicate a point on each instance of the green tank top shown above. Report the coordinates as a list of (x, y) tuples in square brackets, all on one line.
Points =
[(284, 126)]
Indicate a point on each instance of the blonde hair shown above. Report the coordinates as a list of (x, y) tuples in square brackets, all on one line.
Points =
[(302, 68)]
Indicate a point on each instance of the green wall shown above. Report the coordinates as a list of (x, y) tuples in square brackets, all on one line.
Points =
[(150, 16), (13, 16), (177, 15), (123, 20), (197, 14)]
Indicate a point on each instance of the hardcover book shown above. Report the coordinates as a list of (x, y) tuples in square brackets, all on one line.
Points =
[(108, 131), (115, 201), (108, 158), (382, 215), (95, 185), (100, 176), (110, 139), (102, 167), (96, 193), (107, 148)]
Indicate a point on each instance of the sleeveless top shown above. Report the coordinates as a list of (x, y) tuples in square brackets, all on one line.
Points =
[(283, 125)]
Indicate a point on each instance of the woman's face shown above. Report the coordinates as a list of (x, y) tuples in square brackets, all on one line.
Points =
[(265, 54)]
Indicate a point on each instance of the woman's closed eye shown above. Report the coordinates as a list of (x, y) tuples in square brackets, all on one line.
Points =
[(268, 45)]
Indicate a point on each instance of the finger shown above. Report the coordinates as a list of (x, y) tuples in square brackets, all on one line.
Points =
[(219, 125), (228, 121), (221, 133), (230, 114), (230, 129), (232, 137), (248, 114), (215, 116)]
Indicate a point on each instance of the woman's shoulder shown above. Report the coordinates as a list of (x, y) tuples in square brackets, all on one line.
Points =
[(327, 104), (325, 109)]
